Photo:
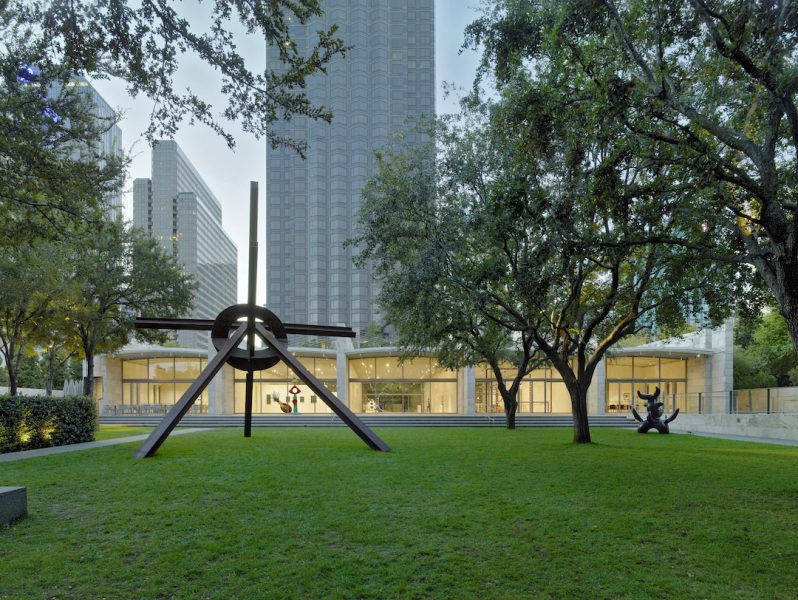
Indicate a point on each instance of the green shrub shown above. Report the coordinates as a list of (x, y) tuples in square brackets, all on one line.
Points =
[(28, 422)]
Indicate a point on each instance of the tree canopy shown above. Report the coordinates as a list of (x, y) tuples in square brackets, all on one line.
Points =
[(525, 236), (31, 281), (416, 227), (52, 170), (711, 84), (144, 42), (764, 355), (118, 273)]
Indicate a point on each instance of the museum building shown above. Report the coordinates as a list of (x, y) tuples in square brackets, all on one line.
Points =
[(694, 373)]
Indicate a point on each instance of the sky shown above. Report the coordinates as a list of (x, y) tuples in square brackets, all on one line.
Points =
[(228, 172)]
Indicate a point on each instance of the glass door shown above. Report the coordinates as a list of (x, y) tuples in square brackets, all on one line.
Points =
[(619, 396), (540, 399)]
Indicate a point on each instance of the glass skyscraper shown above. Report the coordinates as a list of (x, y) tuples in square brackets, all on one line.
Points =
[(385, 84), (109, 143), (178, 209)]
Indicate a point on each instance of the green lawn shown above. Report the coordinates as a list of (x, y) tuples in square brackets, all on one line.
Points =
[(463, 513), (108, 432)]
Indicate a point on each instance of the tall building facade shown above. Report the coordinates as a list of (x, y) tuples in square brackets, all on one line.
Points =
[(177, 208), (385, 84), (110, 141)]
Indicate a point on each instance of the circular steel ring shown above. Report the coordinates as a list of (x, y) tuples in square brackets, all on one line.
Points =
[(263, 358)]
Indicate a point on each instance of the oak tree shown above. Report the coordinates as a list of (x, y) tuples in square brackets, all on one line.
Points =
[(119, 272), (712, 83), (520, 235)]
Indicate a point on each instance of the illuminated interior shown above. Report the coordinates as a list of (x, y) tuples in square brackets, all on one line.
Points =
[(627, 375), (271, 388), (153, 385), (382, 385), (541, 391)]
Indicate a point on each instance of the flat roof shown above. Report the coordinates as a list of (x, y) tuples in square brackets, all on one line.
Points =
[(669, 351), (132, 351)]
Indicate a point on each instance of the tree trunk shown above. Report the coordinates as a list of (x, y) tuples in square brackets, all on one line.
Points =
[(50, 372), (12, 380), (510, 408), (88, 383), (579, 411), (509, 412), (12, 366), (779, 275), (790, 315), (89, 339)]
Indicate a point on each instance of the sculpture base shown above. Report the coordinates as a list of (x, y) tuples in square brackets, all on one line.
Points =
[(13, 504)]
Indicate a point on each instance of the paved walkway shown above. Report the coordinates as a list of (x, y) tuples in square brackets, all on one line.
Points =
[(87, 445)]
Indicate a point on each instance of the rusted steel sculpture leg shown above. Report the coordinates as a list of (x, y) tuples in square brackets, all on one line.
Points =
[(339, 408), (172, 418)]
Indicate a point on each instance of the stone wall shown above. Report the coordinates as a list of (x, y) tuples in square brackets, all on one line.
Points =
[(773, 426)]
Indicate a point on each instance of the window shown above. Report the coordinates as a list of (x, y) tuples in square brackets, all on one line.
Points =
[(626, 376), (271, 387), (152, 386), (382, 384)]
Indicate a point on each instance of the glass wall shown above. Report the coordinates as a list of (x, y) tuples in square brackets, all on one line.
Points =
[(270, 388), (153, 385), (419, 385), (541, 391), (627, 375)]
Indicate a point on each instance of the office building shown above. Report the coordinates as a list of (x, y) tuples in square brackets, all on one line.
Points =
[(385, 85), (176, 207), (110, 141)]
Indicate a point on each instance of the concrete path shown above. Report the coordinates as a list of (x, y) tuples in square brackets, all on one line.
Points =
[(87, 445)]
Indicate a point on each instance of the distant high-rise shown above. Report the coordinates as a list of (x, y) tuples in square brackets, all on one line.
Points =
[(386, 83), (178, 209), (110, 141)]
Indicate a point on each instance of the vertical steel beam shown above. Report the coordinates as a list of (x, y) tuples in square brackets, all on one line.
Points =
[(248, 405), (251, 295), (253, 256), (339, 408), (172, 418)]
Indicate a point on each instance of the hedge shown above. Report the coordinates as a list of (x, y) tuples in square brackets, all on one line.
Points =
[(28, 422)]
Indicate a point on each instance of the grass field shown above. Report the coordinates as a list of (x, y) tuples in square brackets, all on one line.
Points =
[(108, 432), (461, 513)]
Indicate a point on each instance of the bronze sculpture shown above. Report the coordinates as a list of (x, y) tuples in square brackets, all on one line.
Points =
[(654, 417), (242, 323)]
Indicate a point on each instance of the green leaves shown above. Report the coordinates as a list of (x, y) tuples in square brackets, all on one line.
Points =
[(29, 422), (144, 44), (707, 95), (121, 273), (768, 358), (52, 171), (543, 225)]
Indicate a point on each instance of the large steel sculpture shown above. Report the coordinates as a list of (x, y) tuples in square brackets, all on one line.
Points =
[(228, 331), (654, 417)]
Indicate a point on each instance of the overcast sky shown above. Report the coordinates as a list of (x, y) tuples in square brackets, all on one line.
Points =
[(228, 172)]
